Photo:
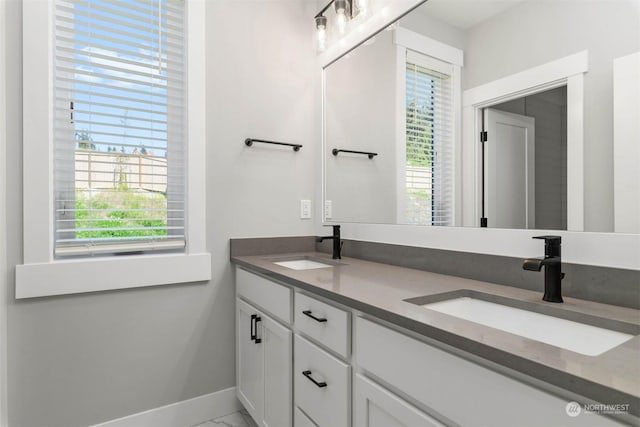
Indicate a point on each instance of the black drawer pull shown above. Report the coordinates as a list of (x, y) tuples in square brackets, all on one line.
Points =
[(254, 328), (308, 375), (317, 319)]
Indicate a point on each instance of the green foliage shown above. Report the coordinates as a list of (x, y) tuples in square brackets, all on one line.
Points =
[(419, 134), (120, 214)]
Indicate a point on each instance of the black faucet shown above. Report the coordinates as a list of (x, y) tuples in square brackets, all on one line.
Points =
[(337, 244), (552, 263)]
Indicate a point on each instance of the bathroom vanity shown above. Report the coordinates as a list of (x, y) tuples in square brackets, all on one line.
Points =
[(350, 342)]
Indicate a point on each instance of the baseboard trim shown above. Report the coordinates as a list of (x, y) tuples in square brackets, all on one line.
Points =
[(182, 414)]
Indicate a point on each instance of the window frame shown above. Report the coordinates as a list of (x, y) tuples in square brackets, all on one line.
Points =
[(43, 275), (408, 40)]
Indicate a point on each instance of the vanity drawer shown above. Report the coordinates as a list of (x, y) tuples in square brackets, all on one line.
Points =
[(463, 391), (321, 384), (324, 323), (264, 293)]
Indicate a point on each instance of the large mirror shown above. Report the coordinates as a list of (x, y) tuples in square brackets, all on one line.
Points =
[(404, 144)]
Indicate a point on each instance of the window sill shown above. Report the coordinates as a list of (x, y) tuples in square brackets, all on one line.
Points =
[(104, 274)]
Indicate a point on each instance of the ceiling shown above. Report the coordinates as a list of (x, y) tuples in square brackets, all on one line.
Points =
[(465, 14)]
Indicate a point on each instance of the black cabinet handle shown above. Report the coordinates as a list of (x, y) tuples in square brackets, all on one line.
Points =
[(317, 319), (308, 375), (254, 328)]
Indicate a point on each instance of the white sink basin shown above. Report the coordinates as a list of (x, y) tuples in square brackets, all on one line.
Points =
[(578, 337), (302, 264)]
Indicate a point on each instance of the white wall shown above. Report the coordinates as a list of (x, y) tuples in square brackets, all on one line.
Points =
[(360, 107), (533, 33), (82, 359)]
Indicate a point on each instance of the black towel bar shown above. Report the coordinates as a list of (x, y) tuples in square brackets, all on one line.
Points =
[(249, 142), (371, 155)]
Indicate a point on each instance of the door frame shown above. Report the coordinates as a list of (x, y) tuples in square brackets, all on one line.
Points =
[(568, 71)]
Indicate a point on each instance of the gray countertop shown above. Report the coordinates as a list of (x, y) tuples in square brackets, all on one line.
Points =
[(380, 290)]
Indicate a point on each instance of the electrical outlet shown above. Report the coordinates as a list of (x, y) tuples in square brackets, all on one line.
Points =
[(305, 209), (328, 209)]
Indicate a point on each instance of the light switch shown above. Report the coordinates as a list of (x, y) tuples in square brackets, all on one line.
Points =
[(328, 209), (305, 209)]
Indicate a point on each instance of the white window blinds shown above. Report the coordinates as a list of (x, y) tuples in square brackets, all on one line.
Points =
[(429, 141), (119, 130)]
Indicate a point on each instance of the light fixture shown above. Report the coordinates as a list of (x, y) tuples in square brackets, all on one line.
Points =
[(345, 10), (341, 15), (321, 28)]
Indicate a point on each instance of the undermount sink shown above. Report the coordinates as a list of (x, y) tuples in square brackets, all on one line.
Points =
[(581, 333), (304, 263)]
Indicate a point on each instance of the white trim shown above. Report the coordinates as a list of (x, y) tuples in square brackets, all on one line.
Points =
[(380, 19), (196, 131), (542, 76), (423, 44), (401, 132), (575, 152), (71, 276), (37, 130), (565, 71), (104, 274), (185, 413)]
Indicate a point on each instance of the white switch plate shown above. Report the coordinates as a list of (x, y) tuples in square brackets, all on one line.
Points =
[(305, 209), (328, 209)]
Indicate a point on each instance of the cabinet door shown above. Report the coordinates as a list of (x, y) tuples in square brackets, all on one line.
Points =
[(249, 365), (375, 406), (277, 351)]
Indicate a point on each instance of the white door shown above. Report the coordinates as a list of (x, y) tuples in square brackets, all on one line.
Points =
[(249, 367), (375, 406), (277, 353), (509, 184)]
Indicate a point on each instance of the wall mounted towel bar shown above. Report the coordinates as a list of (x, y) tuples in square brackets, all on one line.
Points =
[(335, 152), (249, 142)]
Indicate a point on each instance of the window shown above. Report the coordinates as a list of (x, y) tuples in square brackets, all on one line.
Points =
[(119, 163), (429, 141), (100, 53)]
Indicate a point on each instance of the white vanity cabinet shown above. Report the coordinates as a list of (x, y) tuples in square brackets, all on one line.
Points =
[(302, 361), (264, 349)]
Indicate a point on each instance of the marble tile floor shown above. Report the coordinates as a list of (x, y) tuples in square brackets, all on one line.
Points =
[(236, 419)]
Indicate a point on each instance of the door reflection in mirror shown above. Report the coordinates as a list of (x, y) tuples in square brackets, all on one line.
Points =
[(525, 158)]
